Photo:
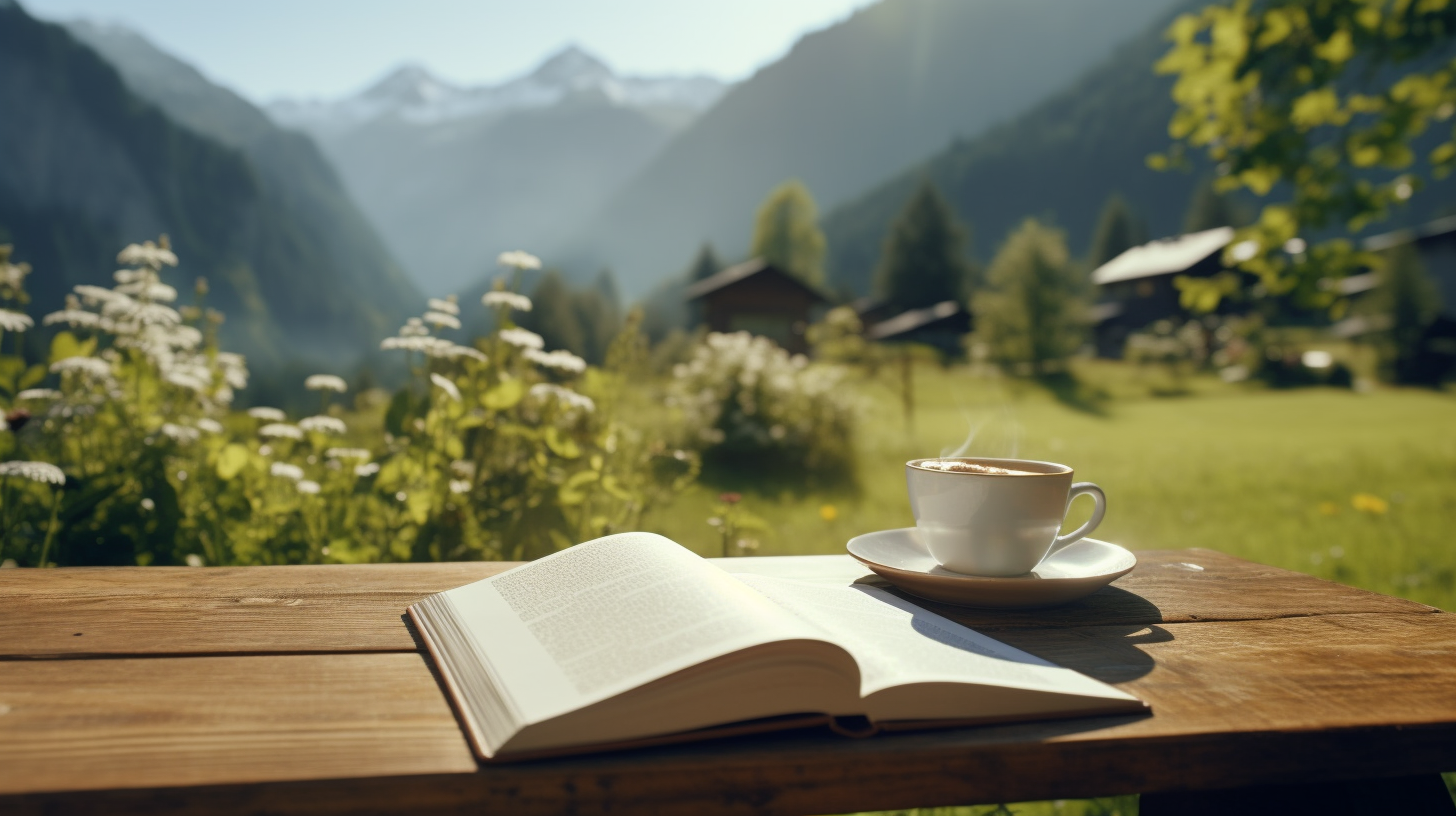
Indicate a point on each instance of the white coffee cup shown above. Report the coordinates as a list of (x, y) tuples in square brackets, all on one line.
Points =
[(1000, 521)]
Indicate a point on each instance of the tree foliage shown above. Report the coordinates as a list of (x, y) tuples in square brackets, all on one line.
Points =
[(786, 232), (1032, 313), (1118, 230), (1317, 103), (923, 262)]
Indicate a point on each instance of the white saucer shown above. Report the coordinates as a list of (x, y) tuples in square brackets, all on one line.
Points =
[(1075, 572)]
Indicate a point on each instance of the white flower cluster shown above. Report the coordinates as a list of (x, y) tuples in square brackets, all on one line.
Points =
[(522, 338), (516, 259), (15, 321), (43, 472), (561, 360), (280, 430), (744, 391), (283, 470), (326, 382), (510, 300), (570, 400), (267, 414), (323, 424), (414, 335), (444, 384)]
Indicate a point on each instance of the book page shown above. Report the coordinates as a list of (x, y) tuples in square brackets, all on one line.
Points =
[(589, 622), (896, 642)]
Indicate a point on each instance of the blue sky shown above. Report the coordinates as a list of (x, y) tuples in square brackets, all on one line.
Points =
[(270, 48)]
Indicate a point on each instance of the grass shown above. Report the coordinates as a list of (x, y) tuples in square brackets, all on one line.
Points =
[(1353, 487)]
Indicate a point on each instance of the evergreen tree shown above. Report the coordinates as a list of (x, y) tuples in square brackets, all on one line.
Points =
[(553, 315), (1209, 209), (923, 261), (1032, 314), (705, 265), (599, 314), (1118, 230), (786, 232)]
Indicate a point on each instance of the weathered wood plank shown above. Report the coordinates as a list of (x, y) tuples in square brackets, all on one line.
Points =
[(160, 610), (203, 720), (1235, 703)]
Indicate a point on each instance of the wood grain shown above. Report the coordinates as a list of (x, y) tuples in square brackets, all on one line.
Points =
[(354, 608), (1235, 703)]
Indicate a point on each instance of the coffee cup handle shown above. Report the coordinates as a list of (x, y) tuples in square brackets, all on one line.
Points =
[(1098, 511)]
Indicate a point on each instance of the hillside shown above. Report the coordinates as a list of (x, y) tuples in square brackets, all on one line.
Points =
[(1058, 162), (98, 167), (328, 238), (847, 106), (453, 175)]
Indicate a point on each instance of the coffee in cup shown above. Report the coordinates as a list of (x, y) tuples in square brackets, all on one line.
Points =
[(995, 517)]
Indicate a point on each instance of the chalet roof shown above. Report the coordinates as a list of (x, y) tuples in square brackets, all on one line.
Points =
[(1164, 256), (742, 272), (1430, 229), (908, 322)]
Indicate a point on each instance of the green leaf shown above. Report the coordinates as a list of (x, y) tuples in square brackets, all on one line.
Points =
[(504, 396), (398, 413), (573, 491), (10, 369), (65, 345), (418, 505), (31, 377), (560, 444), (231, 461)]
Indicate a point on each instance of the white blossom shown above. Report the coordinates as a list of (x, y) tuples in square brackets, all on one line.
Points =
[(286, 471), (326, 382), (97, 294), (150, 290), (267, 414), (453, 350), (520, 303), (279, 430), (180, 433), (77, 318), (323, 424), (447, 305), (444, 384), (568, 398), (519, 260), (308, 486), (347, 453), (439, 319), (15, 321), (147, 254), (42, 472), (561, 360), (195, 560), (366, 470), (424, 343), (191, 379), (522, 338), (38, 394), (209, 425), (458, 486), (87, 366)]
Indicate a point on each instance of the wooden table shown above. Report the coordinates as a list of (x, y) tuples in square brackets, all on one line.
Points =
[(302, 690)]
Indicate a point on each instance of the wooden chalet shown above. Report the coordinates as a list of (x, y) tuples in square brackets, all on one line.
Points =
[(759, 298), (941, 326)]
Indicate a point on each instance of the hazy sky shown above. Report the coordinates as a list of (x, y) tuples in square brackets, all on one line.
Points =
[(270, 48)]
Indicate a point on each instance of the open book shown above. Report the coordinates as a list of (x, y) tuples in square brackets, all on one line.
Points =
[(632, 639)]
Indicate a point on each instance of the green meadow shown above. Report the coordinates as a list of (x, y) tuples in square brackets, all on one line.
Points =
[(1355, 487)]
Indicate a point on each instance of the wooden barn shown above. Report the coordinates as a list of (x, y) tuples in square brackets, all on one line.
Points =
[(759, 298)]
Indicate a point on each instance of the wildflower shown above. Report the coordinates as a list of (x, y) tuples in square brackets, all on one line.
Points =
[(194, 560), (209, 425), (75, 318), (38, 394), (43, 472), (522, 338), (519, 260), (88, 366), (445, 385), (97, 294), (308, 486), (560, 360), (15, 321), (448, 305), (439, 319), (326, 382), (364, 471), (189, 379), (1366, 503), (828, 512), (279, 429), (179, 433), (267, 414), (425, 343), (458, 486), (520, 303), (148, 314), (565, 396), (286, 471), (147, 254), (451, 351), (323, 424), (149, 289), (347, 453)]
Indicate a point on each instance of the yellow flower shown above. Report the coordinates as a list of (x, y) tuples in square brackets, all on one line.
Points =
[(1329, 508), (1366, 503), (828, 512)]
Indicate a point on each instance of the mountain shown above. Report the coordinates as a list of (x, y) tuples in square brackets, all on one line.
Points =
[(323, 241), (846, 107), (453, 175), (1059, 162)]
